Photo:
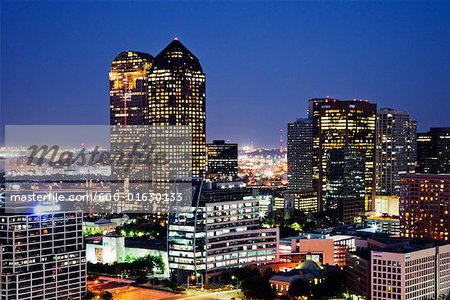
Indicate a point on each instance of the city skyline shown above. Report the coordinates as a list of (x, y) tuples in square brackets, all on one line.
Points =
[(368, 69), (143, 150)]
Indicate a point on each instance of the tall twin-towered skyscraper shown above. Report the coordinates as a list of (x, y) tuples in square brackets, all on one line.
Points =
[(166, 90)]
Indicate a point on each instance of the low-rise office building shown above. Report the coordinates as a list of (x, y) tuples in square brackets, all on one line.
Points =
[(108, 249), (398, 268), (411, 272), (323, 248)]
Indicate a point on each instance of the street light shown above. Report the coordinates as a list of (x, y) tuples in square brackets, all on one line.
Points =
[(189, 278), (201, 276)]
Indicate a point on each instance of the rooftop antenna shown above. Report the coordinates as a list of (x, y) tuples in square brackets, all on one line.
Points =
[(281, 142)]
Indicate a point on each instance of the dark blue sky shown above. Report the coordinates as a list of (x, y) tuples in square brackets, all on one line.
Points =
[(263, 59)]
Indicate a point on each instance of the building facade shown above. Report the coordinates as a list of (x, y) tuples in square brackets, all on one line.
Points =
[(411, 273), (345, 186), (433, 151), (222, 161), (384, 224), (299, 155), (110, 249), (322, 248), (336, 124), (128, 88), (425, 206), (301, 200), (357, 274), (396, 152), (177, 96), (398, 268), (219, 231), (42, 256), (159, 102)]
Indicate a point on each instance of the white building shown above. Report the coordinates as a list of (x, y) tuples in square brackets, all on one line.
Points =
[(220, 231), (109, 249), (42, 256), (411, 272)]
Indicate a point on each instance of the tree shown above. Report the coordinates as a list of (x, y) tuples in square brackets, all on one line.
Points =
[(141, 279), (257, 287), (299, 288), (89, 295), (225, 277), (107, 296), (146, 264), (246, 272)]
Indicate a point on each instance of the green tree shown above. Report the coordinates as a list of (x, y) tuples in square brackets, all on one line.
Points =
[(142, 279)]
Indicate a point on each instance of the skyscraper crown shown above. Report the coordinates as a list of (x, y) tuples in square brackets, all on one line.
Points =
[(177, 56)]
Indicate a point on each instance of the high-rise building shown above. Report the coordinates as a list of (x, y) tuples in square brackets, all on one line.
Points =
[(345, 187), (176, 96), (221, 230), (433, 151), (222, 161), (299, 155), (42, 256), (128, 91), (157, 103), (396, 149), (128, 88), (425, 206), (336, 124)]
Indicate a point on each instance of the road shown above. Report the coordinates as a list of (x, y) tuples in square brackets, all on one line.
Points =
[(223, 295), (136, 293), (122, 290)]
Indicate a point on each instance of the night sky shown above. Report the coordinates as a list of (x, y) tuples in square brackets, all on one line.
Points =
[(263, 59)]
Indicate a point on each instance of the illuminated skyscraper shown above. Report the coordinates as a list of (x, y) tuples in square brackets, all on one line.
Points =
[(345, 183), (157, 102), (425, 206), (177, 97), (300, 166), (222, 161), (128, 108), (128, 88), (299, 155), (337, 124), (396, 149), (433, 151)]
